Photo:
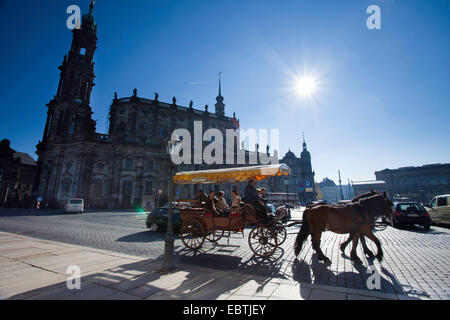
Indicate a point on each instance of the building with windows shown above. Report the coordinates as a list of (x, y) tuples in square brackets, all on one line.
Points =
[(126, 167), (301, 180), (420, 183), (17, 177)]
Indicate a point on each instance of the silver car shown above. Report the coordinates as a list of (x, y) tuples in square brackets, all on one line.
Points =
[(75, 205)]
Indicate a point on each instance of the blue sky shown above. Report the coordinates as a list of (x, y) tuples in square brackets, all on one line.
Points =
[(384, 94)]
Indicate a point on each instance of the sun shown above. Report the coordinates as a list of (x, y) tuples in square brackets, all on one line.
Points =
[(306, 86)]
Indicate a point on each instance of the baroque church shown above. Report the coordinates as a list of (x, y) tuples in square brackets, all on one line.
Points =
[(301, 179), (128, 166)]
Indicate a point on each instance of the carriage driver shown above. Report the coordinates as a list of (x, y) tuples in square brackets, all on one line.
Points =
[(251, 196)]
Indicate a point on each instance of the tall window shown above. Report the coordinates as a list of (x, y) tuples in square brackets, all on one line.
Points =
[(149, 165), (72, 125), (148, 190), (127, 186), (128, 163)]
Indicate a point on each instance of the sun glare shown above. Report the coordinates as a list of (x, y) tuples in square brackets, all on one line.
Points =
[(306, 86)]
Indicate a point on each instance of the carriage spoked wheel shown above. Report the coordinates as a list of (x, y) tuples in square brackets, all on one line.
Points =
[(262, 241), (215, 235), (280, 232), (192, 234)]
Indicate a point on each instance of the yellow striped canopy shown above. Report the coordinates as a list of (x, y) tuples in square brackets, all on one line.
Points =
[(231, 174)]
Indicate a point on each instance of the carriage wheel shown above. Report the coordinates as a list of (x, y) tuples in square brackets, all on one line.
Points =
[(262, 241), (280, 232), (192, 234), (215, 235)]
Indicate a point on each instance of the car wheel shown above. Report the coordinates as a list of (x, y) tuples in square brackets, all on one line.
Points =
[(153, 227), (395, 224), (426, 227)]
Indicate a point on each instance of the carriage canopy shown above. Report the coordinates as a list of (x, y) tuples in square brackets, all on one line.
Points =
[(230, 175)]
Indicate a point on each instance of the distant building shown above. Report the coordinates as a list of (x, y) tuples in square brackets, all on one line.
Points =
[(301, 179), (17, 177), (329, 191), (418, 183), (360, 187)]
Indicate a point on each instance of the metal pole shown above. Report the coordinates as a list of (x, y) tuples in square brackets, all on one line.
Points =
[(168, 264)]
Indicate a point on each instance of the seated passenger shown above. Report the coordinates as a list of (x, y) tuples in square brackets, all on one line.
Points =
[(211, 204), (251, 196), (222, 205), (236, 199)]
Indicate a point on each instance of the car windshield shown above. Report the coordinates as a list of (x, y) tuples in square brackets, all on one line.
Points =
[(160, 212), (76, 201), (411, 207)]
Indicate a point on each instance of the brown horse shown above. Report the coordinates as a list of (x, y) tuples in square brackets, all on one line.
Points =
[(361, 238), (355, 218)]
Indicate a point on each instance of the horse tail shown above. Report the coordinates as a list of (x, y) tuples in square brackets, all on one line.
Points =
[(302, 234)]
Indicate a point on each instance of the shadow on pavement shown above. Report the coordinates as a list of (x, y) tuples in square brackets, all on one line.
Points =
[(142, 279), (143, 236), (319, 273)]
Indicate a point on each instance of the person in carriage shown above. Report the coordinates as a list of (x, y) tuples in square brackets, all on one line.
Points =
[(252, 197), (211, 204)]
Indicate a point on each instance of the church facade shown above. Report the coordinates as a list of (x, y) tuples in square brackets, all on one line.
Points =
[(301, 180), (126, 167)]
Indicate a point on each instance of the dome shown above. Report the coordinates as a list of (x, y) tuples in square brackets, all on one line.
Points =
[(289, 154)]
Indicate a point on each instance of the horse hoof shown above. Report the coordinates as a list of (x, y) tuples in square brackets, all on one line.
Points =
[(379, 258), (326, 261), (357, 261), (342, 249)]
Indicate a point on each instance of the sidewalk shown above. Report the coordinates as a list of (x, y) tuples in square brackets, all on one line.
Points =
[(36, 269)]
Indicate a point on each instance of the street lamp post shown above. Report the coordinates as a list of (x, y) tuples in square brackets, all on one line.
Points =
[(286, 182), (168, 264)]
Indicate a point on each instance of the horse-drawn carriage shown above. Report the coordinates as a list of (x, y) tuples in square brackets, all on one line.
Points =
[(199, 224)]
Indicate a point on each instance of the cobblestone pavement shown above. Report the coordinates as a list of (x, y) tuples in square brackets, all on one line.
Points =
[(415, 261)]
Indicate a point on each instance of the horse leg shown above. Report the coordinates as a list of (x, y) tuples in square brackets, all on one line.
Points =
[(366, 249), (353, 254), (369, 234), (316, 246), (345, 243)]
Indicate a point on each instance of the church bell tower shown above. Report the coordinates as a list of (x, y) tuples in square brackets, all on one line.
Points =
[(69, 112)]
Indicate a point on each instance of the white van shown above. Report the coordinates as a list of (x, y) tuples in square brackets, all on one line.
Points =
[(75, 205), (439, 209)]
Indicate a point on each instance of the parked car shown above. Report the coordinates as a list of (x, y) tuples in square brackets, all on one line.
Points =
[(410, 213), (157, 219), (75, 205), (439, 209)]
